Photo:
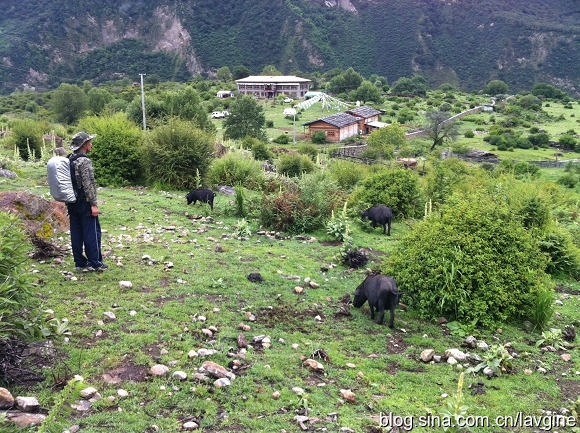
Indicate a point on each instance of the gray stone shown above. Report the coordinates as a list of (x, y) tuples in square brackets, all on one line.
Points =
[(427, 355), (27, 404), (456, 353)]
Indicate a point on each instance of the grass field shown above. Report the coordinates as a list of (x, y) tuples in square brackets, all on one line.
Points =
[(189, 291)]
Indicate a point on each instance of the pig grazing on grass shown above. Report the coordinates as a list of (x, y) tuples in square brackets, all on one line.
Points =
[(381, 215), (201, 194), (381, 292)]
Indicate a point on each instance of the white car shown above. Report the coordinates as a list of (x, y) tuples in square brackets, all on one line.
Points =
[(288, 100), (217, 115)]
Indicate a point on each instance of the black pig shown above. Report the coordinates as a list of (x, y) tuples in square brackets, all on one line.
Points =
[(203, 195), (381, 292), (381, 215)]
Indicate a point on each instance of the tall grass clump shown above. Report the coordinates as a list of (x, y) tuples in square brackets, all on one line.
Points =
[(117, 149), (236, 169), (304, 210), (174, 154), (294, 165), (16, 290), (473, 260), (26, 136)]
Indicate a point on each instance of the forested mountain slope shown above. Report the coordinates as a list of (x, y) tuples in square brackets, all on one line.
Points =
[(463, 42)]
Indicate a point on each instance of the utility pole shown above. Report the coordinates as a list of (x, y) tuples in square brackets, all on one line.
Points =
[(143, 102)]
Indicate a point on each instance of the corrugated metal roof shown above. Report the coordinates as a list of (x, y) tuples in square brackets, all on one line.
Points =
[(339, 120), (364, 111)]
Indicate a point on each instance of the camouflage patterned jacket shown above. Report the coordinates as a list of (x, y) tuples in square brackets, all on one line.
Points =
[(85, 176)]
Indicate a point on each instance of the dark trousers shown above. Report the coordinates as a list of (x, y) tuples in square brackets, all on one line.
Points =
[(85, 235)]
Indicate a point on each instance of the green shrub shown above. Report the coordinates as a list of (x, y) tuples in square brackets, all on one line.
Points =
[(347, 173), (309, 150), (472, 261), (294, 165), (319, 137), (260, 151), (26, 135), (568, 180), (395, 187), (282, 139), (304, 210), (269, 123), (236, 169), (117, 149), (249, 142), (564, 256), (176, 154), (17, 296), (469, 134)]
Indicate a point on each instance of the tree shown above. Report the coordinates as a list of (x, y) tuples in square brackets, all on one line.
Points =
[(367, 91), (224, 74), (544, 90), (98, 98), (246, 119), (270, 70), (186, 104), (347, 81), (240, 72), (496, 87), (68, 103), (384, 141), (415, 86), (439, 129)]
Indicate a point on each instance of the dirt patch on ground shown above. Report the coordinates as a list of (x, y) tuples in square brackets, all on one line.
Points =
[(561, 289), (570, 389), (289, 318), (127, 372), (396, 344)]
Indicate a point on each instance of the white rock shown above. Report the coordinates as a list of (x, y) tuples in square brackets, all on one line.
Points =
[(192, 354), (88, 392), (179, 375), (109, 315), (159, 370), (298, 390), (221, 382), (125, 284), (122, 393), (451, 360), (206, 352), (28, 404), (427, 355), (457, 354), (190, 425)]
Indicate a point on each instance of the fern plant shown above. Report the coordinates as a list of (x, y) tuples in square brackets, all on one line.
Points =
[(62, 405)]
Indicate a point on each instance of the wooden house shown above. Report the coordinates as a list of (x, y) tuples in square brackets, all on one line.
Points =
[(368, 118), (336, 128)]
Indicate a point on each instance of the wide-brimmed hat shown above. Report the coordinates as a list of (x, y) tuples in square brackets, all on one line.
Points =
[(80, 138)]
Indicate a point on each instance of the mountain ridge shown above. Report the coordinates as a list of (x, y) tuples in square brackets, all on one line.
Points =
[(466, 43)]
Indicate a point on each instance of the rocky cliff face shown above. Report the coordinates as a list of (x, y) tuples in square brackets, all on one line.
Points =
[(463, 42)]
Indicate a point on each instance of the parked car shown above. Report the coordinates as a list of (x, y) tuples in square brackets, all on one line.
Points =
[(217, 115), (288, 100)]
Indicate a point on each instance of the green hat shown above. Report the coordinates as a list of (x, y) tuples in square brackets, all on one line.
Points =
[(79, 139)]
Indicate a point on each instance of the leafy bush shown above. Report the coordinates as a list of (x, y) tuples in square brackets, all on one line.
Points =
[(260, 151), (472, 261), (309, 150), (249, 142), (347, 173), (564, 256), (116, 153), (176, 154), (568, 180), (469, 134), (26, 135), (17, 297), (318, 137), (294, 165), (395, 187), (304, 210), (282, 139), (235, 169)]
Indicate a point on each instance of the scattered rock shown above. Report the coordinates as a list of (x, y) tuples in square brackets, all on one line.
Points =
[(427, 355), (565, 357), (125, 284), (159, 370), (215, 370), (457, 354), (28, 404), (6, 399), (348, 395), (190, 425), (276, 395)]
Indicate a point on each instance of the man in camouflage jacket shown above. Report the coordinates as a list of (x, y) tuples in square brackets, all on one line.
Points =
[(85, 229)]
